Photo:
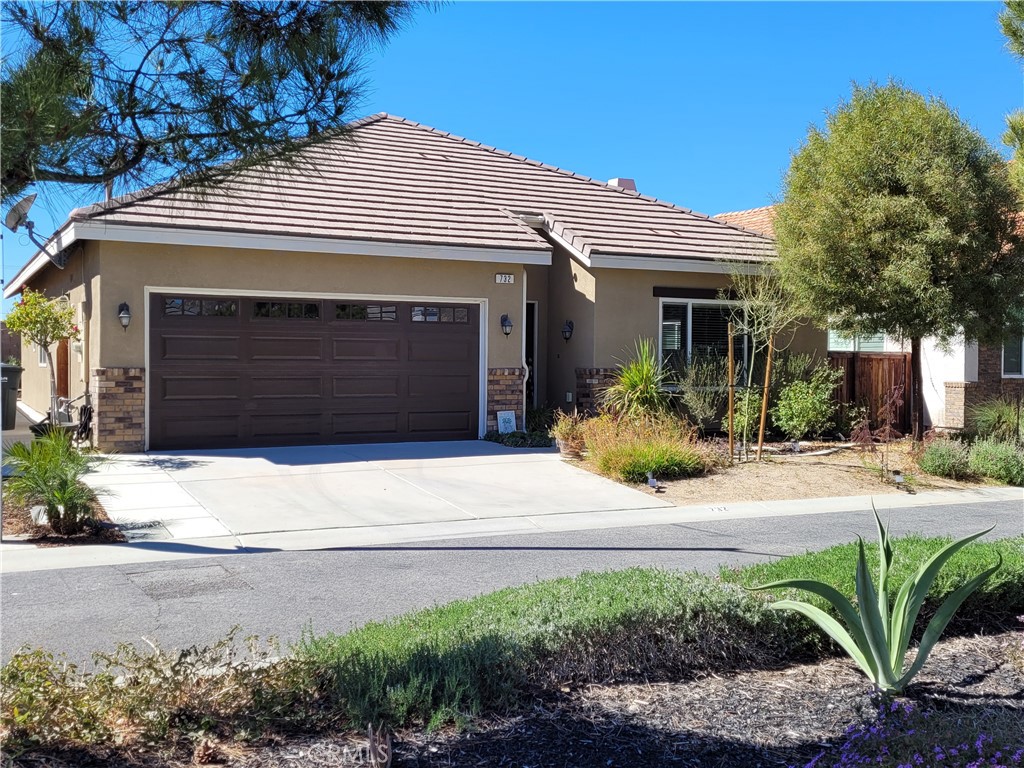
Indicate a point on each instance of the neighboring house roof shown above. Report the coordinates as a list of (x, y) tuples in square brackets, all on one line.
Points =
[(757, 219), (389, 180)]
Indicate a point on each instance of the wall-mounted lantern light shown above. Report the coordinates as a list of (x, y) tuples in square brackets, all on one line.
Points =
[(124, 314), (567, 330), (506, 324)]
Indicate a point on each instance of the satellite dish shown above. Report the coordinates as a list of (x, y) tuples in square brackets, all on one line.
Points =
[(18, 215)]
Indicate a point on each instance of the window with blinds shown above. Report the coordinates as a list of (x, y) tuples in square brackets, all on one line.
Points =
[(697, 329)]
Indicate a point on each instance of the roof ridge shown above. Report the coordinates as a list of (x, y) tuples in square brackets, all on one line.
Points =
[(566, 172)]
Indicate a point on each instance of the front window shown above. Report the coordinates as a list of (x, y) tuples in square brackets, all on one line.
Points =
[(838, 342), (702, 329), (1013, 356)]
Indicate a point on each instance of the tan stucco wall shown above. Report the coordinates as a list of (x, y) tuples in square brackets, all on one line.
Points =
[(571, 293), (128, 268), (627, 308), (805, 339), (79, 281)]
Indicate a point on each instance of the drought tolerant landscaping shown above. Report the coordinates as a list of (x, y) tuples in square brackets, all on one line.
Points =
[(569, 657)]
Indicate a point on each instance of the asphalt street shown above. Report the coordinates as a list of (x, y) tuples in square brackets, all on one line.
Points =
[(179, 604)]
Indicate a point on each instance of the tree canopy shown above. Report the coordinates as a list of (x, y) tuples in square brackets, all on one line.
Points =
[(140, 91), (898, 217), (1011, 21)]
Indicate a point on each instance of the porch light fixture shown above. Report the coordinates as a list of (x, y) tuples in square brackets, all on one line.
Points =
[(124, 314), (506, 324), (567, 330)]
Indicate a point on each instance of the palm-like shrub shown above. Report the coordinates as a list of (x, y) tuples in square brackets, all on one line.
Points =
[(638, 386), (48, 472), (877, 635)]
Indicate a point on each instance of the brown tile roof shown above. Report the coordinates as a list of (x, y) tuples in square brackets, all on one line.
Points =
[(393, 180), (756, 219)]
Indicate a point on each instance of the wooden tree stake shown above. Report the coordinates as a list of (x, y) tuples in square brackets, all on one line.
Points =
[(764, 396), (732, 390)]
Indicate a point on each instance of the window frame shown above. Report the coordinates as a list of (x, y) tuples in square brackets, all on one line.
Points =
[(690, 303), (41, 357), (1002, 360)]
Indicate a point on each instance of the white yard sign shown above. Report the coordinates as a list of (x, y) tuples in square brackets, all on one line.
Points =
[(506, 422)]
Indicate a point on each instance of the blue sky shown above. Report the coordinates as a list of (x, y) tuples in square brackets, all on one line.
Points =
[(701, 103)]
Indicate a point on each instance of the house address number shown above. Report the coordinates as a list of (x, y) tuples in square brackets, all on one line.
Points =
[(505, 279)]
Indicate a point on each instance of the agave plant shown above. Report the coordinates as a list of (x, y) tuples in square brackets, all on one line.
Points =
[(877, 635), (637, 390)]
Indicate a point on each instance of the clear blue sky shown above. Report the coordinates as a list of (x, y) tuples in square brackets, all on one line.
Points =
[(701, 103)]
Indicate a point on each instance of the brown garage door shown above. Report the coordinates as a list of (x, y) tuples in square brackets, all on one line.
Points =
[(261, 371)]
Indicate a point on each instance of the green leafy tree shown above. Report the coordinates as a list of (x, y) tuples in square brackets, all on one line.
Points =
[(1011, 20), (140, 91), (900, 218), (44, 322)]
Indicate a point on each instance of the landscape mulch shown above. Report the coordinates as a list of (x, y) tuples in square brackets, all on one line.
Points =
[(753, 719), (17, 521)]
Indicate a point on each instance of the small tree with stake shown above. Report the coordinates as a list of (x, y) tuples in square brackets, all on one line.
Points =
[(44, 322), (898, 217)]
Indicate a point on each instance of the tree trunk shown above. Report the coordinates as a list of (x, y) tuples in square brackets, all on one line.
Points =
[(916, 389), (54, 420)]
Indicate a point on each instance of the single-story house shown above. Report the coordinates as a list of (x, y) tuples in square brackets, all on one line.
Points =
[(394, 283), (954, 379)]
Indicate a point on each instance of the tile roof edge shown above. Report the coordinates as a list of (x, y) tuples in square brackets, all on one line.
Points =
[(566, 172)]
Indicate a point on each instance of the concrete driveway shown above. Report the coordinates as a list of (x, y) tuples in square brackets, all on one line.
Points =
[(303, 496)]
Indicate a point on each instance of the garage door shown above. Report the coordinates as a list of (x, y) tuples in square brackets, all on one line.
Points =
[(238, 371)]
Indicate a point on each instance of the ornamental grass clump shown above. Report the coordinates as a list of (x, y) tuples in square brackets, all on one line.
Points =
[(625, 450), (877, 635)]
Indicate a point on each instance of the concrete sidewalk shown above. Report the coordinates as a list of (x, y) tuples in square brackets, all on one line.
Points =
[(19, 556)]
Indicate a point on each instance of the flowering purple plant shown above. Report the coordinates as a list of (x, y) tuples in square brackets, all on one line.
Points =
[(888, 742)]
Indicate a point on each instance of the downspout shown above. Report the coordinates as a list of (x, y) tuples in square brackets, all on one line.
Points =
[(526, 369)]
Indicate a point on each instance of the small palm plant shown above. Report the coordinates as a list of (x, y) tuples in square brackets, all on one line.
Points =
[(48, 472), (877, 635), (638, 387)]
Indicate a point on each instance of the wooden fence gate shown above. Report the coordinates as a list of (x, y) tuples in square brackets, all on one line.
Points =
[(869, 377)]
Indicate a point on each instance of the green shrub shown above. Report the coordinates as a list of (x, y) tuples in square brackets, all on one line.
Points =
[(520, 439), (486, 654), (540, 419), (945, 458), (999, 461), (48, 472), (638, 386), (746, 413), (703, 388), (998, 419), (806, 408)]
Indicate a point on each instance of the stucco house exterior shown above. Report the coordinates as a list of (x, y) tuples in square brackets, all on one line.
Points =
[(395, 283), (954, 379)]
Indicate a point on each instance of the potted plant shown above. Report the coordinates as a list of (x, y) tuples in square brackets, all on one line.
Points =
[(568, 433), (44, 322)]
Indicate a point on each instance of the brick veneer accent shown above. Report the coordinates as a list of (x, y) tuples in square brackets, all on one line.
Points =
[(505, 393), (589, 383), (119, 397), (962, 396)]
